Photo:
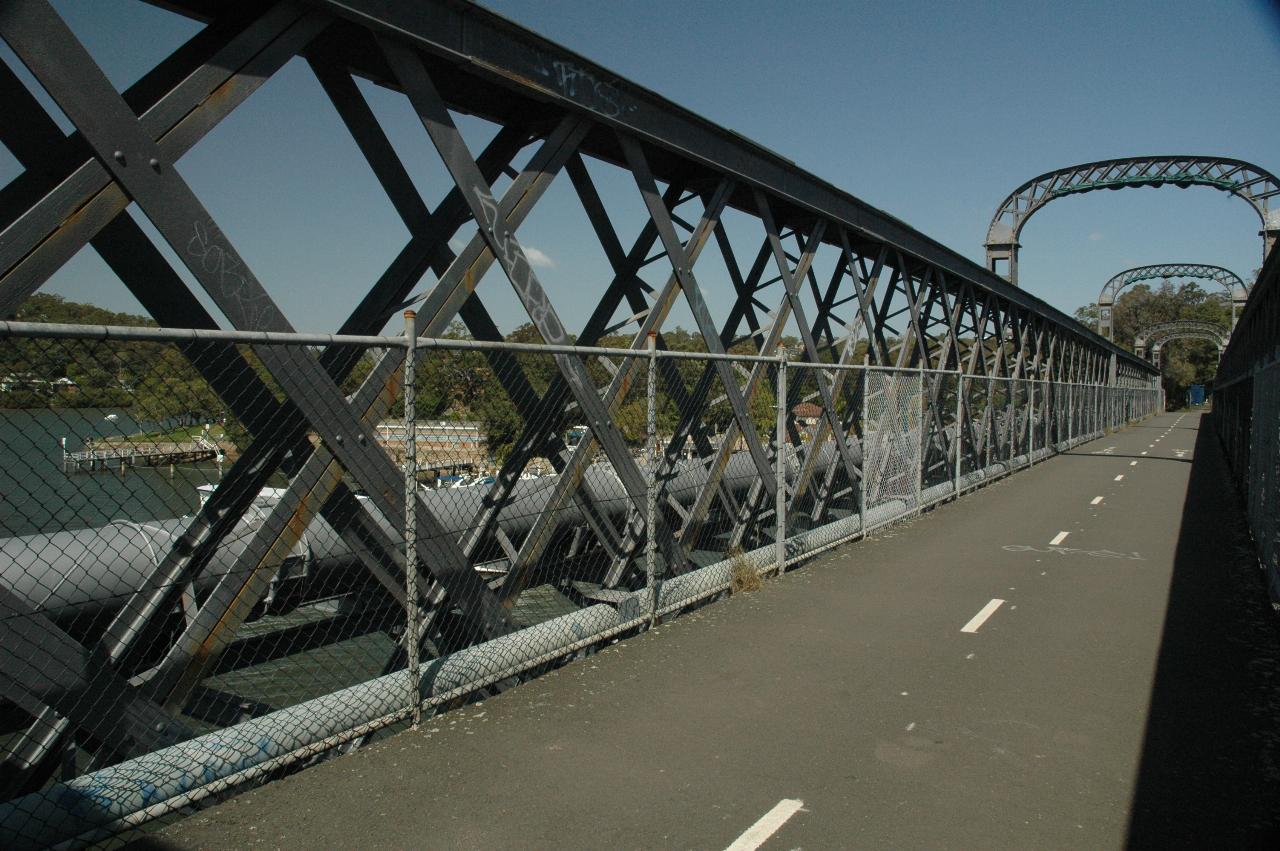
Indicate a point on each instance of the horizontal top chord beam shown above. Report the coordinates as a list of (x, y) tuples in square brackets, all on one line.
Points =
[(487, 65)]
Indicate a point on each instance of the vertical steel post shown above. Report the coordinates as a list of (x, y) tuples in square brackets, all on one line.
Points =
[(780, 462), (1031, 421), (1071, 412), (651, 486), (923, 441), (959, 439), (866, 450), (412, 625)]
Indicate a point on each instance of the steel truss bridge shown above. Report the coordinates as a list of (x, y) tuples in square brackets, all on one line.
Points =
[(1244, 180), (848, 278), (1236, 289), (1157, 335), (1246, 401)]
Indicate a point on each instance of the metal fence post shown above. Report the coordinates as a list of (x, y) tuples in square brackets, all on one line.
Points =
[(866, 450), (920, 453), (650, 526), (1031, 422), (1071, 413), (959, 439), (412, 625), (780, 463)]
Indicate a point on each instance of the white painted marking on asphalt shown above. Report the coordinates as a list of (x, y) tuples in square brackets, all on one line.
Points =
[(767, 825), (911, 726), (1151, 446), (981, 617), (1119, 477), (1058, 539), (1095, 500), (1144, 452), (1133, 463)]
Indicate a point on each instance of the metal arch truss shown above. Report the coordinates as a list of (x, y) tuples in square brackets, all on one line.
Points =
[(1183, 329), (871, 278), (1236, 289), (1244, 180)]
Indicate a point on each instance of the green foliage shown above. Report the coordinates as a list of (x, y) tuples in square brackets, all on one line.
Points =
[(1183, 362), (154, 381), (499, 390)]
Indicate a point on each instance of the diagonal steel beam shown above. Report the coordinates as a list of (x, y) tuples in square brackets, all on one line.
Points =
[(413, 211), (791, 284), (538, 537), (683, 270), (84, 94), (246, 478), (319, 476), (864, 290), (42, 661), (80, 204), (500, 236)]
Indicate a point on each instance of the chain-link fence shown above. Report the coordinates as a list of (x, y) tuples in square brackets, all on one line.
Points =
[(1263, 492), (224, 555), (1247, 414)]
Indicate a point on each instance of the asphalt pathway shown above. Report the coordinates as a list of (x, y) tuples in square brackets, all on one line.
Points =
[(983, 676)]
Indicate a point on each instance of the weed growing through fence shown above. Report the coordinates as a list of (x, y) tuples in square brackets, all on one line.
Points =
[(743, 574)]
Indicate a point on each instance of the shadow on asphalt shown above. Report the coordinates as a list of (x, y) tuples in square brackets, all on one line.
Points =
[(1209, 774)]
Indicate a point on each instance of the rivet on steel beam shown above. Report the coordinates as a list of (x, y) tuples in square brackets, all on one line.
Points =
[(337, 438), (154, 163), (119, 157)]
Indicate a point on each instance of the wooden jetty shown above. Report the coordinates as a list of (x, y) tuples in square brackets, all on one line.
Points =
[(109, 456)]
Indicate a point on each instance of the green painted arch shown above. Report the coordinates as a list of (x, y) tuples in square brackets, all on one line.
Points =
[(1247, 181)]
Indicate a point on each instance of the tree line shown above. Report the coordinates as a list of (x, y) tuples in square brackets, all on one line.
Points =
[(156, 381), (1183, 362)]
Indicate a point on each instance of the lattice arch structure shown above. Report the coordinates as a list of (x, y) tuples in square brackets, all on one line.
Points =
[(1236, 288), (1183, 329), (1244, 180)]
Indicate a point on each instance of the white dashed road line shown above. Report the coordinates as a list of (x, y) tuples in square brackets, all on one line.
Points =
[(1120, 477), (1058, 539), (981, 617), (1095, 500), (767, 825)]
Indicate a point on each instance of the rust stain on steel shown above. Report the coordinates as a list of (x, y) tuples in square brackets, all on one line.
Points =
[(391, 387), (246, 597), (110, 197)]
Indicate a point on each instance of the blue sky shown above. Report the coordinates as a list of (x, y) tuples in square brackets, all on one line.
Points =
[(930, 111)]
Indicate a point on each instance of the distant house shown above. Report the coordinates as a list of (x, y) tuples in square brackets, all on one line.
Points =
[(28, 381), (441, 443), (807, 413)]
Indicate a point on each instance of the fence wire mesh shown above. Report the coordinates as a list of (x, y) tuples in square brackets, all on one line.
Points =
[(716, 469), (893, 431), (825, 454), (210, 572), (1263, 485)]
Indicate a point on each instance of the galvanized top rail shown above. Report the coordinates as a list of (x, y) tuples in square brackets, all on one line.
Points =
[(150, 334)]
